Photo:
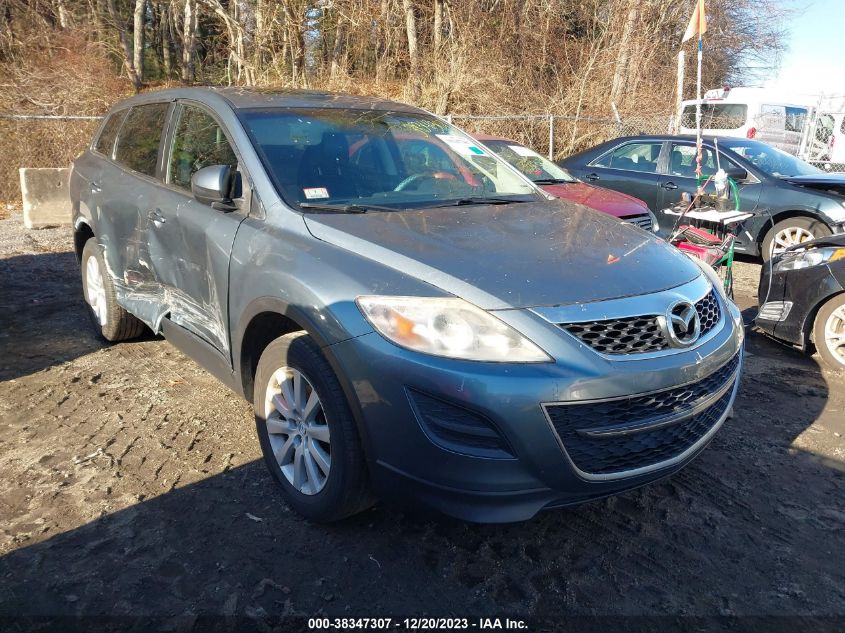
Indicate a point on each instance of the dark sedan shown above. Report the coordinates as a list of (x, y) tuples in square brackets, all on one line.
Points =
[(802, 302), (792, 202)]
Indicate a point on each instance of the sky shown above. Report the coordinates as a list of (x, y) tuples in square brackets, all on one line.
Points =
[(815, 61)]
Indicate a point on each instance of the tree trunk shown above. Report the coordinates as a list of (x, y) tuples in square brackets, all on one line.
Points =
[(337, 49), (166, 54), (413, 51), (620, 72), (123, 37), (438, 25), (138, 35), (189, 41)]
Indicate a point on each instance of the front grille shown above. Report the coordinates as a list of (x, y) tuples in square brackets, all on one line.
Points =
[(642, 221), (602, 437), (641, 334), (457, 429)]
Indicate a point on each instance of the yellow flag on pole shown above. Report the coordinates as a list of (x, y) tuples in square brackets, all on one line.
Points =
[(697, 23)]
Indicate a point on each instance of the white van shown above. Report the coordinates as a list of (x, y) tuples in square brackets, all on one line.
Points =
[(757, 113)]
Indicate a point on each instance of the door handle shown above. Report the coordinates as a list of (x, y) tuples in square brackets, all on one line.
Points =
[(592, 177), (95, 188), (155, 216), (669, 185)]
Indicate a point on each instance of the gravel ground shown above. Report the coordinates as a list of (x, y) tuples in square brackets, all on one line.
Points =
[(130, 484)]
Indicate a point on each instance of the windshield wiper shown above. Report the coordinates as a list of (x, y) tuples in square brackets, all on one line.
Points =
[(345, 208), (477, 200), (552, 181)]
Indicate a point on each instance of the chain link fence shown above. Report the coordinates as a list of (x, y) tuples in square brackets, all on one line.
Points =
[(39, 141), (827, 141)]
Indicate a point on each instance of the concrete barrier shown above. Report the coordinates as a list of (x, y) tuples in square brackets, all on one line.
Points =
[(46, 199)]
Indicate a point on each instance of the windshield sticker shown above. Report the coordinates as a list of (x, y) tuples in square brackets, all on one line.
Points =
[(315, 193), (523, 151), (462, 146)]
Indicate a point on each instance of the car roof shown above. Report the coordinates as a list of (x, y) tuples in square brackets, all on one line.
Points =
[(244, 98), (674, 137)]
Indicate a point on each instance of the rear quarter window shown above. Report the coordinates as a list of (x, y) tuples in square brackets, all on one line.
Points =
[(140, 136), (105, 141)]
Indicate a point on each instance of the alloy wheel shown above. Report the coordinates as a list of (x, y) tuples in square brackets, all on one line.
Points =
[(791, 236), (95, 289), (298, 430)]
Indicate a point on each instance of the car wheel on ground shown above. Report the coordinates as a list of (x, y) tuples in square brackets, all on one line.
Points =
[(829, 332), (307, 433), (792, 231), (110, 320)]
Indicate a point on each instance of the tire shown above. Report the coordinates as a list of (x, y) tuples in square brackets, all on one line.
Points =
[(307, 439), (830, 320), (110, 320), (793, 231)]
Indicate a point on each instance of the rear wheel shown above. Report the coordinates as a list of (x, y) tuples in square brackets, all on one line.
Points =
[(307, 433), (790, 232), (109, 318), (829, 332)]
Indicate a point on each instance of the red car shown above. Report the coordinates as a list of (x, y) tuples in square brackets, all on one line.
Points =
[(558, 182)]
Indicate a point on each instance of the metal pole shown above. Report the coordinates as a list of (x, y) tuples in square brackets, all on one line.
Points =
[(679, 92), (551, 137), (698, 111)]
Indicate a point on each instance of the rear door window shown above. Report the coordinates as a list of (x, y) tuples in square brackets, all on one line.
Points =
[(105, 142), (140, 136), (640, 157), (199, 142)]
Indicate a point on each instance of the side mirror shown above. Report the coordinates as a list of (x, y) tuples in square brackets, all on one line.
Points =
[(737, 174), (212, 185)]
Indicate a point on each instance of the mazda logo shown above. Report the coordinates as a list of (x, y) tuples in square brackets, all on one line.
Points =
[(682, 325)]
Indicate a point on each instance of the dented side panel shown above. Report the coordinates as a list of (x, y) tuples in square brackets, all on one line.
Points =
[(189, 260)]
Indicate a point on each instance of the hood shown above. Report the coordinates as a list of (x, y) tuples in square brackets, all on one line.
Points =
[(830, 183), (820, 242), (616, 204), (515, 255)]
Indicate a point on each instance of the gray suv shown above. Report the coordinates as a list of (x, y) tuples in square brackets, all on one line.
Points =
[(411, 317)]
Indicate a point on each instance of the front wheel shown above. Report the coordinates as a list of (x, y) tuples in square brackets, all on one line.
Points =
[(790, 232), (307, 433), (829, 332)]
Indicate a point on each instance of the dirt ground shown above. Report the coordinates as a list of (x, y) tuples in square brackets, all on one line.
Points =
[(130, 484)]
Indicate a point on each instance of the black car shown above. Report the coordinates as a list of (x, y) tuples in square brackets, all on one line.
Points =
[(791, 200), (802, 300)]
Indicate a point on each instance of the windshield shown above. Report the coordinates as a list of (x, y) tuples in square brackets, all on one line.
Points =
[(768, 159), (376, 160), (716, 116), (529, 162)]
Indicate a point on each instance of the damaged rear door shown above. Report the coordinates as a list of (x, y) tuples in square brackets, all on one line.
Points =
[(190, 243)]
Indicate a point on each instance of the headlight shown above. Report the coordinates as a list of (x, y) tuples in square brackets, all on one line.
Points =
[(655, 227), (806, 259), (448, 327)]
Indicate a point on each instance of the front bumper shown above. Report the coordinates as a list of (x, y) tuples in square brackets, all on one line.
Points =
[(408, 464), (804, 290)]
